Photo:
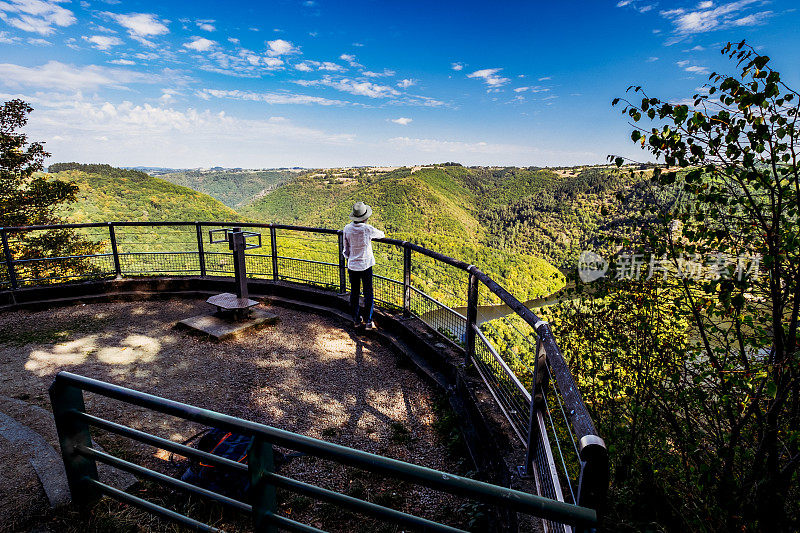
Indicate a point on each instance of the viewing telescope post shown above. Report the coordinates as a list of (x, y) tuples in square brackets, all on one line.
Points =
[(240, 303)]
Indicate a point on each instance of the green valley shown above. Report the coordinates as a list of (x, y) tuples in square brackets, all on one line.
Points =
[(232, 187), (109, 193), (517, 224)]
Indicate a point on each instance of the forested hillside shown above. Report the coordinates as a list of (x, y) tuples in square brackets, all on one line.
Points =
[(568, 215), (518, 210), (232, 187), (428, 202), (109, 193), (514, 223)]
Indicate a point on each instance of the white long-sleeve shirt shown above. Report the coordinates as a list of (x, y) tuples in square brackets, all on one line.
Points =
[(358, 245)]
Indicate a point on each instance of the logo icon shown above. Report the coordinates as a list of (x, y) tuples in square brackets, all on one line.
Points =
[(591, 266)]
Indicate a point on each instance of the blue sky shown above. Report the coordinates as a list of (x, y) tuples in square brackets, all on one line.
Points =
[(322, 83)]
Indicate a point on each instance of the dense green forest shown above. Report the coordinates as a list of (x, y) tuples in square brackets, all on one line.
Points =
[(435, 207), (514, 223), (519, 210), (108, 193), (232, 187)]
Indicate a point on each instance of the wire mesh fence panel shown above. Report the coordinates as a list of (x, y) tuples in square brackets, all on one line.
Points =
[(388, 292), (308, 257), (503, 385), (544, 465), (173, 263), (322, 247), (310, 272), (259, 264), (444, 283), (566, 447), (49, 256), (161, 249), (388, 274), (438, 316)]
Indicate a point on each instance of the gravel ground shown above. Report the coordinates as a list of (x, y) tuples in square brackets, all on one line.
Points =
[(307, 374)]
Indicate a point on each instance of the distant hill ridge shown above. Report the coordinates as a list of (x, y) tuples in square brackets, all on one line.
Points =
[(110, 193)]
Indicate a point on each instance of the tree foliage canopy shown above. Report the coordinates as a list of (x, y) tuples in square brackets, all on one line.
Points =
[(29, 198), (727, 405)]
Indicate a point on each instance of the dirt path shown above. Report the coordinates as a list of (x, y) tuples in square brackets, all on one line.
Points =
[(307, 374)]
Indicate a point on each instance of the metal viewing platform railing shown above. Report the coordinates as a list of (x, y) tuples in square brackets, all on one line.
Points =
[(516, 355)]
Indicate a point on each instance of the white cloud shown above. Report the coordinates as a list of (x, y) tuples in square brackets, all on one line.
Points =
[(351, 60), (200, 44), (140, 26), (5, 38), (272, 62), (707, 18), (456, 66), (403, 121), (279, 47), (168, 95), (243, 63), (103, 42), (490, 77), (69, 77), (131, 133), (635, 4), (206, 25), (36, 16), (233, 40), (309, 66), (532, 88), (694, 69), (651, 59), (331, 67), (122, 62), (386, 73), (406, 83), (38, 41), (545, 78), (358, 88), (269, 98)]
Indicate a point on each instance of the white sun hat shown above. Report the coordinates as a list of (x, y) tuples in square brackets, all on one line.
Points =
[(361, 212)]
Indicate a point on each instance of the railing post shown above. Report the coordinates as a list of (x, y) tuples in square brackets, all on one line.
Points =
[(114, 251), (12, 276), (273, 238), (72, 433), (593, 480), (472, 315), (261, 463), (526, 470), (406, 280), (201, 252), (342, 268)]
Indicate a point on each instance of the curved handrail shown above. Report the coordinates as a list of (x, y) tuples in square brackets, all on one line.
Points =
[(591, 446)]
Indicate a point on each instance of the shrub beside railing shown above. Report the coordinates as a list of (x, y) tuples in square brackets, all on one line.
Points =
[(529, 379)]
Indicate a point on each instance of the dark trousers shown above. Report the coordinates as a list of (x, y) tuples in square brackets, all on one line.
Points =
[(356, 279)]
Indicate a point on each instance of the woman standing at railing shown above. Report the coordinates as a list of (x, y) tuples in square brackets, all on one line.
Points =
[(358, 237)]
